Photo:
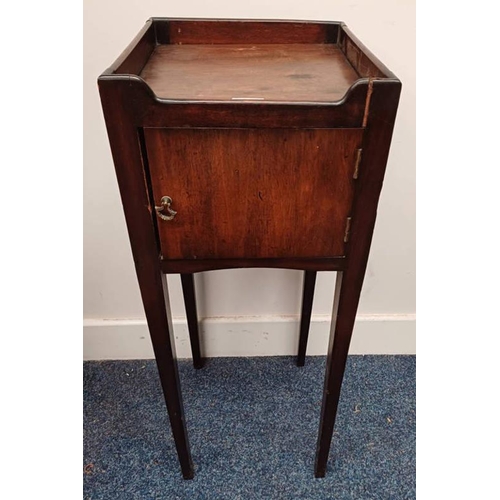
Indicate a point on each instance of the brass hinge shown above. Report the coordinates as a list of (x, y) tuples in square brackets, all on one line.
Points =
[(347, 230), (356, 165)]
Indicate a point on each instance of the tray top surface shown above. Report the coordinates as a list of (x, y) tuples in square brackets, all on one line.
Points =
[(274, 72)]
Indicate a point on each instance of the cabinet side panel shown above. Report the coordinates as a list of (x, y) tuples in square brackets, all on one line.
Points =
[(135, 56), (361, 59)]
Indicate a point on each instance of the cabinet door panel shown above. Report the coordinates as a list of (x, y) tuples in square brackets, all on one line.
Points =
[(253, 193)]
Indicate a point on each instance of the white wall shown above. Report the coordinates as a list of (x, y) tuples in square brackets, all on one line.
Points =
[(111, 292)]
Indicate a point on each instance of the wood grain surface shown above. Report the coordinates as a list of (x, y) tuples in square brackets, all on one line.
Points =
[(263, 193), (217, 31), (265, 72)]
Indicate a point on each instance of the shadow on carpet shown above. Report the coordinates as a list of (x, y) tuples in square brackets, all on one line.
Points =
[(252, 425)]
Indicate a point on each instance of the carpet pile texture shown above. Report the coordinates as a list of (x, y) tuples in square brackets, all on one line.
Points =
[(252, 424)]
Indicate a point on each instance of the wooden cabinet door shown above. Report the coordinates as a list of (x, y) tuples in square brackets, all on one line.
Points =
[(253, 193)]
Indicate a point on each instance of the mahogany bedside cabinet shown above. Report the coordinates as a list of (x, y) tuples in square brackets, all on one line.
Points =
[(241, 143)]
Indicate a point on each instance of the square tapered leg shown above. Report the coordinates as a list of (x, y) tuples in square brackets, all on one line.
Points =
[(305, 318), (188, 291)]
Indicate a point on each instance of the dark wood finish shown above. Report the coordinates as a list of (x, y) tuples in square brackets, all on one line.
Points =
[(135, 56), (142, 51), (362, 59), (346, 113), (272, 72), (146, 109), (235, 191), (195, 266), (380, 122), (126, 152), (188, 291), (264, 183), (305, 317), (225, 31)]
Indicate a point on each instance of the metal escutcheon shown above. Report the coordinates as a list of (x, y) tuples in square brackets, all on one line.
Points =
[(166, 201)]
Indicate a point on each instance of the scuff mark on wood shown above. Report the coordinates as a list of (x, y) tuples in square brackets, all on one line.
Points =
[(356, 165), (368, 99)]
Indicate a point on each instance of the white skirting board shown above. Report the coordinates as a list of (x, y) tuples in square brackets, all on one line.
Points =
[(249, 336)]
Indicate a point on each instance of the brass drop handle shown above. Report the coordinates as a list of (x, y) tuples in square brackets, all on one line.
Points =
[(166, 201)]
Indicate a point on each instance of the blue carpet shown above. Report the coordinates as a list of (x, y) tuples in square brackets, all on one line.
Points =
[(252, 424)]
